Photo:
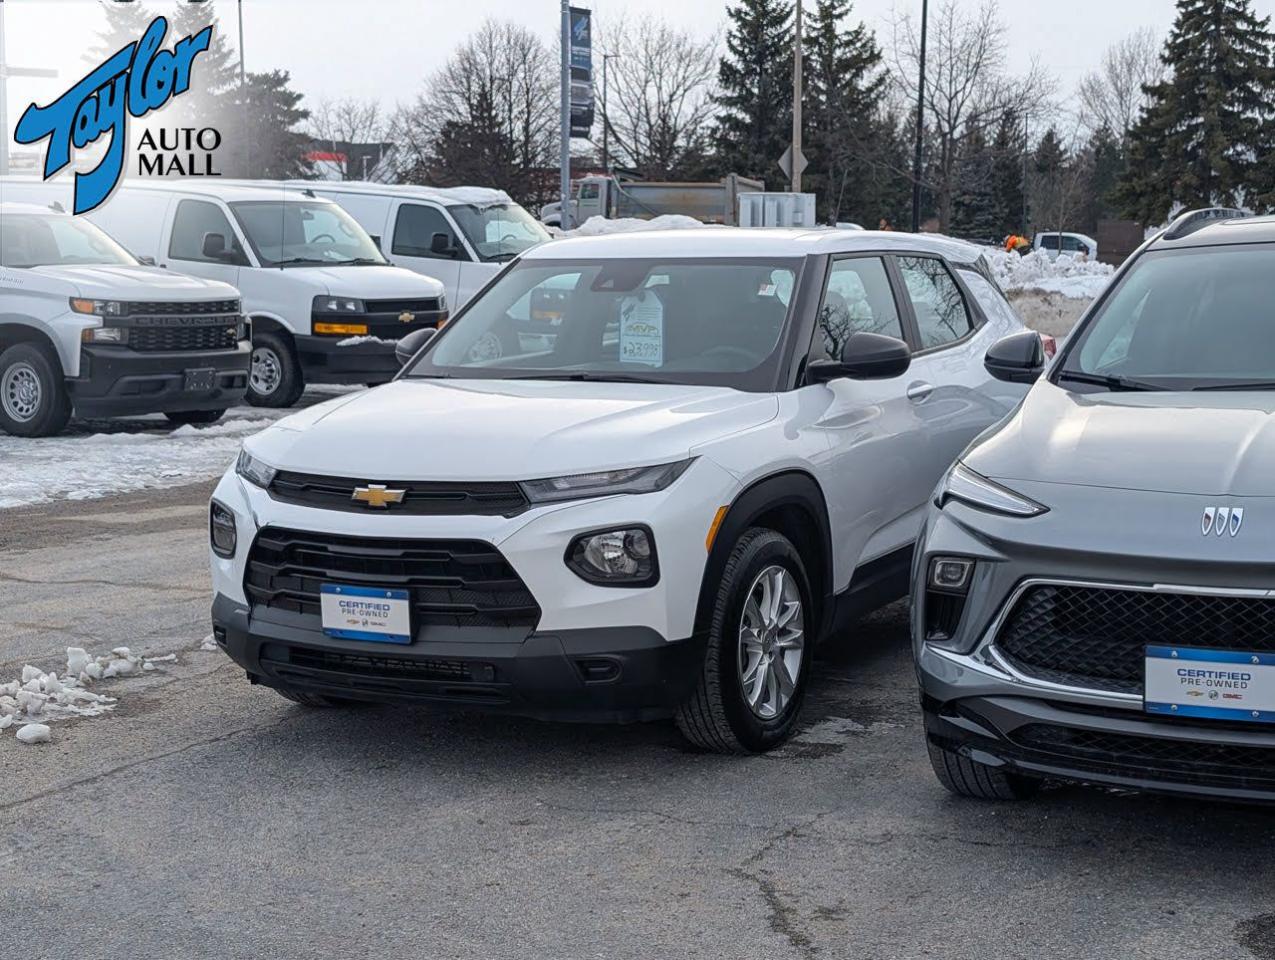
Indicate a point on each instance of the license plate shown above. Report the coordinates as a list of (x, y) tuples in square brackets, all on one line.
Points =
[(366, 613), (1213, 684), (204, 379)]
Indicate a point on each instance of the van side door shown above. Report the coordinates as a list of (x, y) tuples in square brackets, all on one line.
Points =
[(424, 239)]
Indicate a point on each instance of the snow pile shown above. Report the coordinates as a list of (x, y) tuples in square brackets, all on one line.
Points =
[(599, 226), (36, 698), (1077, 278), (367, 338)]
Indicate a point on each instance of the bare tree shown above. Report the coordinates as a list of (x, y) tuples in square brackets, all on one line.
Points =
[(660, 82), (348, 121), (501, 85), (1113, 95), (966, 84)]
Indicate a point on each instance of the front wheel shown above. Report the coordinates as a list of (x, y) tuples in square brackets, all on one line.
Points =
[(33, 397), (274, 379), (194, 417), (753, 680)]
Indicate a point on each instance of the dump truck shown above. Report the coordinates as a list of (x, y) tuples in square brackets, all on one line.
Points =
[(605, 196)]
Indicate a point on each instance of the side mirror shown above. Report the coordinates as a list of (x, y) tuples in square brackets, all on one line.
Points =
[(214, 248), (865, 356), (407, 348), (1016, 359), (440, 244)]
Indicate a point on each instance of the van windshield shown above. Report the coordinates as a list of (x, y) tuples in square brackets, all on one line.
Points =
[(711, 322), (499, 231), (33, 240), (298, 233)]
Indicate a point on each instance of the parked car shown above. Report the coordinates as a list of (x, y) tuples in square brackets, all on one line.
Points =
[(1072, 244), (716, 454), (1092, 596), (85, 327), (323, 304), (461, 236)]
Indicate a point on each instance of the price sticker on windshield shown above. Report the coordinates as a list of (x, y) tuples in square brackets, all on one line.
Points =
[(642, 329)]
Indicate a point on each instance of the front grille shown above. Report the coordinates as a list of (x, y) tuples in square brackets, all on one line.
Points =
[(1190, 758), (426, 305), (182, 308), (433, 669), (420, 498), (1097, 636), (452, 582), (222, 336)]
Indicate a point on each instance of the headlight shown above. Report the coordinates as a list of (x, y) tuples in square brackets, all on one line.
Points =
[(337, 305), (221, 530), (254, 471), (615, 558), (104, 335), (98, 308), (604, 484), (962, 483)]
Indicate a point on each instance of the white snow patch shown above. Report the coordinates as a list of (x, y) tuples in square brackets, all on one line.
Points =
[(209, 643), (1077, 278), (355, 341), (600, 226), (35, 733)]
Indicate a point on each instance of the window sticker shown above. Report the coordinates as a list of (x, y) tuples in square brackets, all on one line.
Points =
[(642, 329)]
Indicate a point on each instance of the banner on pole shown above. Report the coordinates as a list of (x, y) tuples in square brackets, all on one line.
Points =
[(581, 72)]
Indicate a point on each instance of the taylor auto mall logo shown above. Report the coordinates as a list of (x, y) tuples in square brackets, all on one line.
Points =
[(136, 81)]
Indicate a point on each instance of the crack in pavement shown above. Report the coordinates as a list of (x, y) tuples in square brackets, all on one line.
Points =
[(784, 920), (145, 584)]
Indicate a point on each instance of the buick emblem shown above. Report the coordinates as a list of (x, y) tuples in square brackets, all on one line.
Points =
[(1221, 520)]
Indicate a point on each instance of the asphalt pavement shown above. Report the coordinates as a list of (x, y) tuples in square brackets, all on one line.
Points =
[(205, 818)]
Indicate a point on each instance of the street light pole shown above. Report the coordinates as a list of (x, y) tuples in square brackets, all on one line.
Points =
[(920, 124), (564, 135), (4, 102), (796, 101), (606, 116)]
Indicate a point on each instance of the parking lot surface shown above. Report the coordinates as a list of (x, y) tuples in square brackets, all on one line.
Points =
[(207, 818)]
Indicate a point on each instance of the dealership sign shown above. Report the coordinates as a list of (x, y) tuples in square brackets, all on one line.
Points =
[(135, 81), (581, 73)]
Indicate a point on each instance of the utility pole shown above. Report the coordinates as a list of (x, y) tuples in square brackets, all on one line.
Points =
[(606, 117), (243, 101), (6, 72), (920, 124), (564, 146), (796, 101)]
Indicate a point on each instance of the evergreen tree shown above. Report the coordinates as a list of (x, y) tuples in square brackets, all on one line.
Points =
[(475, 150), (269, 141), (1106, 165), (1048, 166), (755, 94), (844, 89), (1200, 140), (125, 24), (214, 73), (977, 210), (1009, 150)]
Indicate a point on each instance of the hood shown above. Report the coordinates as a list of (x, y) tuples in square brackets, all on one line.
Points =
[(365, 283), (122, 282), (506, 430), (1220, 444)]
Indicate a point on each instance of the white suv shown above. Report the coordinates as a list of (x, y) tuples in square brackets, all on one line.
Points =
[(711, 449)]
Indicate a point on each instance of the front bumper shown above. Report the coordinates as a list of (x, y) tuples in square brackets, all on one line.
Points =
[(324, 360), (116, 381), (617, 674)]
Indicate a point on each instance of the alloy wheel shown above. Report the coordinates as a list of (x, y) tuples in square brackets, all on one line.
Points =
[(771, 642)]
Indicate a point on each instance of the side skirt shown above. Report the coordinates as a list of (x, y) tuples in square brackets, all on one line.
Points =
[(875, 584)]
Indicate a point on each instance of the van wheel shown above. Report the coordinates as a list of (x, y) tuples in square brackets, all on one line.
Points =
[(195, 416), (274, 379), (753, 681), (33, 397), (965, 778)]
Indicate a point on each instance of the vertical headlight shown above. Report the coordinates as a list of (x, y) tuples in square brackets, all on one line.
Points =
[(221, 530)]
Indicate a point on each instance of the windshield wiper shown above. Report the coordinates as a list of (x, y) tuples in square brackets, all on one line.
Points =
[(587, 377), (359, 262), (1110, 382), (292, 261), (501, 257), (1249, 385)]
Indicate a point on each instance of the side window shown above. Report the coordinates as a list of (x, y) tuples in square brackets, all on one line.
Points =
[(1071, 245), (194, 219), (1050, 241), (589, 191), (941, 314), (858, 299), (414, 233)]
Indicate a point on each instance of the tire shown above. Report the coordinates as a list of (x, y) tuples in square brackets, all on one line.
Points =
[(719, 716), (316, 700), (33, 397), (275, 378), (977, 781), (195, 416)]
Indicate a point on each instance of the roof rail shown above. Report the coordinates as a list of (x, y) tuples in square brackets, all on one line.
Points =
[(1193, 220)]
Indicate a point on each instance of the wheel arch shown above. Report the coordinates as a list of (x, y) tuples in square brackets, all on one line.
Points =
[(268, 323), (16, 331), (790, 503)]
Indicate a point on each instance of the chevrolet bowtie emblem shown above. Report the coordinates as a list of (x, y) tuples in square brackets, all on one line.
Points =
[(406, 316), (376, 495)]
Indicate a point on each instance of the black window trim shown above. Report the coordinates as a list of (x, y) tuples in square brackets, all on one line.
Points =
[(814, 350), (973, 310), (462, 241), (228, 215)]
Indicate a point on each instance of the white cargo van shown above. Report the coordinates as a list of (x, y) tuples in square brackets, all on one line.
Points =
[(323, 304), (461, 236), (84, 326)]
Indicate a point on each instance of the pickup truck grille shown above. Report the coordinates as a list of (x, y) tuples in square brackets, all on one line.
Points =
[(452, 582), (222, 336), (420, 497), (179, 308)]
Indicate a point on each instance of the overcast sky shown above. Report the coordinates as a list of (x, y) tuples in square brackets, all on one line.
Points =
[(387, 48)]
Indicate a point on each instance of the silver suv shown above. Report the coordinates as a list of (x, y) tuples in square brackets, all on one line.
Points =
[(1093, 591)]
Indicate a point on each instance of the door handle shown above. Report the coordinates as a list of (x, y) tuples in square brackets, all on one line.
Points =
[(920, 391)]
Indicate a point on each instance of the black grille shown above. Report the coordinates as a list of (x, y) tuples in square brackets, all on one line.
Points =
[(181, 308), (453, 582), (456, 671), (1096, 637), (427, 305), (421, 498), (1194, 759), (222, 336)]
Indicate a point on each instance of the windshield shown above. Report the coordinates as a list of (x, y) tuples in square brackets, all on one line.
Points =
[(39, 241), (500, 231), (1183, 320), (302, 234), (712, 322)]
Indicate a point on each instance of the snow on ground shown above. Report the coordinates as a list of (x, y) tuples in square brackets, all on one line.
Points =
[(97, 458), (598, 226), (30, 702), (1076, 278)]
